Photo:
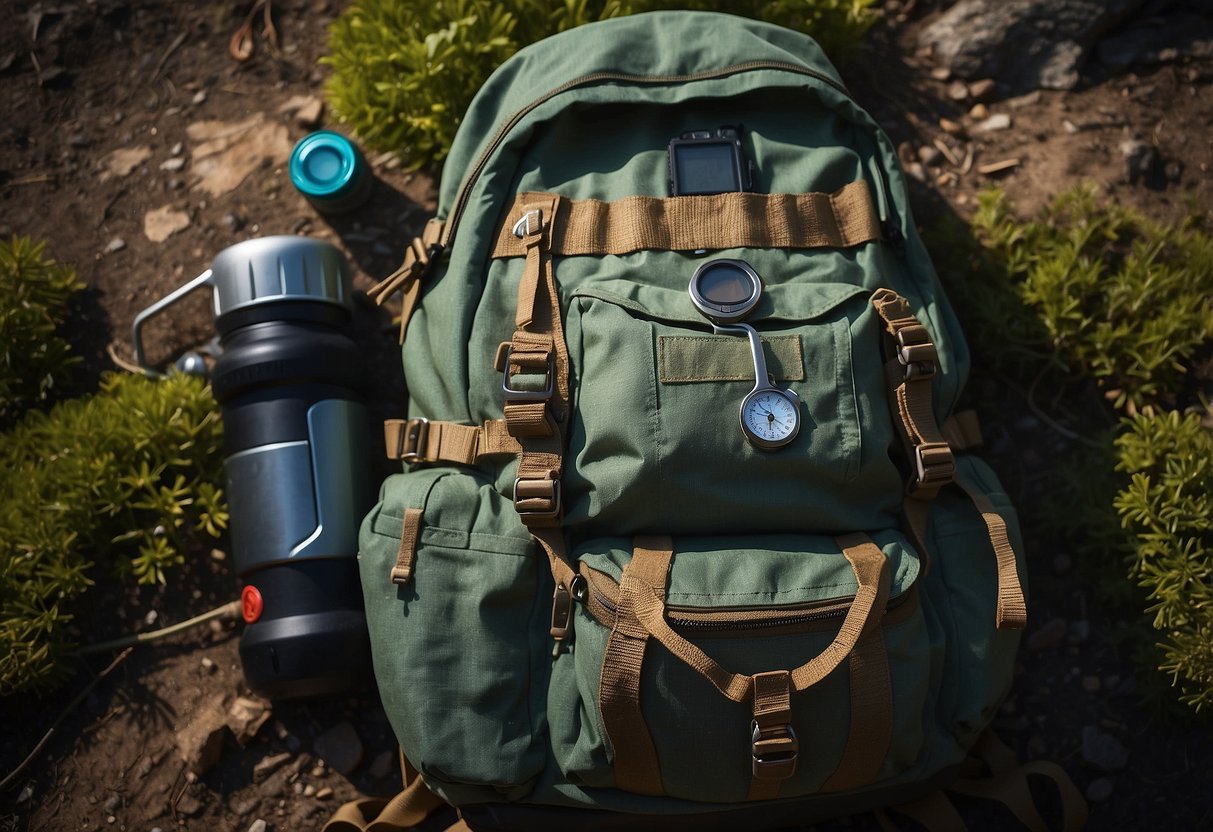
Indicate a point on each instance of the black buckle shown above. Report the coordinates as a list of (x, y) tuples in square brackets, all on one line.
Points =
[(775, 749)]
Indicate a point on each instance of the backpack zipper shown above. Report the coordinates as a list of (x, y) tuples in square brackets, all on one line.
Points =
[(727, 621), (464, 194)]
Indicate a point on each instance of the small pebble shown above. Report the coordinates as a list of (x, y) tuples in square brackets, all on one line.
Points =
[(115, 245), (980, 112), (209, 666), (112, 803), (324, 794), (173, 165), (258, 826), (199, 97), (309, 790), (951, 127), (177, 149), (998, 121)]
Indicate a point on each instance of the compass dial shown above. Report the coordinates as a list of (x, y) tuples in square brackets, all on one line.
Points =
[(770, 417)]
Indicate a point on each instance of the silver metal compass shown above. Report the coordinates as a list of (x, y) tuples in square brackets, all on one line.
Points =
[(726, 292)]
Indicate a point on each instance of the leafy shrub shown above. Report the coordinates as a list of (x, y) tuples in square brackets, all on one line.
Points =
[(1102, 291), (405, 72), (126, 475), (33, 295), (1168, 507)]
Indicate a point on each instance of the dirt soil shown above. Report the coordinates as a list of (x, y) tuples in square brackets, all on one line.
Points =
[(110, 114)]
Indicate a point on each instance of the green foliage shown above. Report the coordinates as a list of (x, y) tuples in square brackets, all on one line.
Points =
[(126, 475), (33, 294), (1103, 293), (405, 72), (1168, 507)]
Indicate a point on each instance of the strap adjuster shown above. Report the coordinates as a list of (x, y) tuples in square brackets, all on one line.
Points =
[(934, 463), (413, 441), (774, 749), (537, 499), (514, 395), (916, 352), (531, 222)]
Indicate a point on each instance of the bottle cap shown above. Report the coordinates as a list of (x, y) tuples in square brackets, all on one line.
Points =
[(329, 170)]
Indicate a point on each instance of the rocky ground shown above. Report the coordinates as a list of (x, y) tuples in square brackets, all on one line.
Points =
[(137, 145)]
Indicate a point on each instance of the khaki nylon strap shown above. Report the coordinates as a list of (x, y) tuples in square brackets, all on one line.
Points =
[(407, 278), (1012, 609), (871, 568), (871, 715), (537, 421), (406, 810), (406, 555), (963, 430), (774, 746), (842, 219), (911, 370), (423, 440), (635, 763)]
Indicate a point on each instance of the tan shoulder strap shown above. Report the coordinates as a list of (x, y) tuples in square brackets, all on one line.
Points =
[(842, 219)]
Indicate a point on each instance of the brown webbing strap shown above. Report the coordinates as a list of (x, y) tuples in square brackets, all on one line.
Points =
[(423, 440), (871, 716), (962, 430), (914, 364), (636, 766), (407, 278), (406, 810), (538, 418), (774, 746), (871, 571), (1012, 610), (406, 555), (842, 219)]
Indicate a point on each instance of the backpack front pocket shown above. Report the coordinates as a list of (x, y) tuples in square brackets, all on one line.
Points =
[(452, 585), (658, 402), (722, 669)]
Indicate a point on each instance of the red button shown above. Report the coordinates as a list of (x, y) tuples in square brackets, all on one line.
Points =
[(251, 604)]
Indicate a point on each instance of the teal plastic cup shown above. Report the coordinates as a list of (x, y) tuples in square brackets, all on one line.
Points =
[(330, 171)]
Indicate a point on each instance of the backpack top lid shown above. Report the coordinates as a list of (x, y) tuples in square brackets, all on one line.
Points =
[(653, 45)]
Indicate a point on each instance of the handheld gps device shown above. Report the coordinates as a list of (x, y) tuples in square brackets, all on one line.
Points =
[(703, 162)]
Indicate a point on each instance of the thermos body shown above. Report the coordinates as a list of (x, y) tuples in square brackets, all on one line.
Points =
[(291, 383)]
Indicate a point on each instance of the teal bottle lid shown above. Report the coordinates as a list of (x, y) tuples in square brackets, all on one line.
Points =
[(329, 170)]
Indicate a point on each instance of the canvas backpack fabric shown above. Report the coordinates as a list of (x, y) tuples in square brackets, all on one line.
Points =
[(586, 589)]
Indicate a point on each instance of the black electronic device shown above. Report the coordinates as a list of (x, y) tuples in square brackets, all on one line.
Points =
[(704, 162)]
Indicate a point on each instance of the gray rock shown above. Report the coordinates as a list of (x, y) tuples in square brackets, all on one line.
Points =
[(1102, 751), (340, 748), (1026, 44)]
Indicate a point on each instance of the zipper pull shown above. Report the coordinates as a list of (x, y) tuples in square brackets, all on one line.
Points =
[(562, 613)]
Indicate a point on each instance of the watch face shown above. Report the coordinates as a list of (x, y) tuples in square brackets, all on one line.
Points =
[(770, 418)]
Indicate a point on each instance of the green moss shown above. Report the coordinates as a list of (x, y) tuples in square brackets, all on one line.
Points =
[(405, 72)]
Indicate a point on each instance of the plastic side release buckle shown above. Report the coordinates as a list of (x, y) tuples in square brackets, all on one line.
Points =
[(935, 465), (775, 749)]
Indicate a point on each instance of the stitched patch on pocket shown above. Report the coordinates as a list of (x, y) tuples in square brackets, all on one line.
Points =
[(683, 359)]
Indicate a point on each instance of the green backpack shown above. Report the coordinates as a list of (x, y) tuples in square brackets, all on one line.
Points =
[(598, 585)]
